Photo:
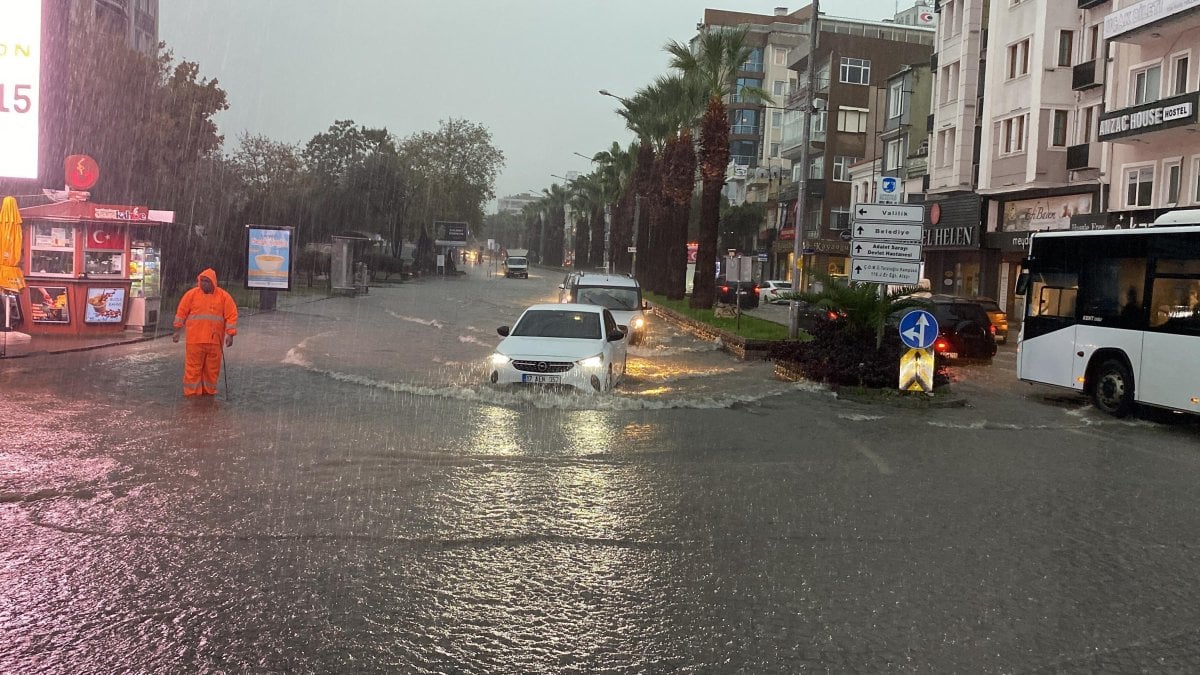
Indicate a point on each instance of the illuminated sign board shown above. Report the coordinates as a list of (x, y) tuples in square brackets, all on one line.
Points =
[(1142, 14), (20, 81)]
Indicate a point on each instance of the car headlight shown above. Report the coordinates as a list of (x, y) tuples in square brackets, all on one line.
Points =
[(592, 361), (499, 359), (637, 323)]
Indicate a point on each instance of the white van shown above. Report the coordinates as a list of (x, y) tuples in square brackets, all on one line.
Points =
[(516, 263), (621, 295)]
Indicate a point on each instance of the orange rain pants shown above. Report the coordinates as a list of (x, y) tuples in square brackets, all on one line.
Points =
[(201, 368)]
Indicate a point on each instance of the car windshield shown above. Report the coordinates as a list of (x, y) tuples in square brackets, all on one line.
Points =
[(959, 311), (516, 261), (622, 298), (558, 324)]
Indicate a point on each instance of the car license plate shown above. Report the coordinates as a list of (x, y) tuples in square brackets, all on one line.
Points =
[(951, 355), (541, 379)]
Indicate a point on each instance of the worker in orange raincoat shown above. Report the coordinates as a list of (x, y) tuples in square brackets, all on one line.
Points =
[(209, 315)]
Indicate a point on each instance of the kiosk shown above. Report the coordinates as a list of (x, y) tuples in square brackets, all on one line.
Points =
[(78, 262)]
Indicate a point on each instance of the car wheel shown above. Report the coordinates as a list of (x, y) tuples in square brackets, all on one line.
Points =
[(1112, 389)]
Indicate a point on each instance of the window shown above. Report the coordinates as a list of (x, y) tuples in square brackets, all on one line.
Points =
[(1058, 129), (743, 121), (52, 251), (950, 83), (895, 99), (1196, 180), (1013, 135), (1173, 170), (1139, 183), (949, 16), (742, 83), (774, 149), (839, 219), (841, 167), (1179, 75), (1094, 42), (855, 71), (778, 88), (776, 118), (781, 56), (893, 155), (743, 153), (1146, 85), (820, 122), (1018, 59), (1066, 47), (816, 168), (946, 142), (1087, 127), (754, 63), (853, 120)]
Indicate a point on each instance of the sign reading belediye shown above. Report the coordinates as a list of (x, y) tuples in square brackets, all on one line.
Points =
[(20, 84), (269, 257)]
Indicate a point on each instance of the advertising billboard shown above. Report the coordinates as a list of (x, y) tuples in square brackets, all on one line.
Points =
[(269, 257), (20, 81), (105, 305), (450, 233)]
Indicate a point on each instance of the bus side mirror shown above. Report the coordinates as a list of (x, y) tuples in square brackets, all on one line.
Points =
[(1022, 283)]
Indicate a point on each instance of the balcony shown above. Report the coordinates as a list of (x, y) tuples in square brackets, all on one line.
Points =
[(745, 130), (816, 188), (1088, 4), (1086, 75), (1079, 158)]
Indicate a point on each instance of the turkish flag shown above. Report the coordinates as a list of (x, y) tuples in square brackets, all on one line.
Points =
[(105, 238)]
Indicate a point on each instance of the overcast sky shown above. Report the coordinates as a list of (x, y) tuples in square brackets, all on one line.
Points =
[(528, 70)]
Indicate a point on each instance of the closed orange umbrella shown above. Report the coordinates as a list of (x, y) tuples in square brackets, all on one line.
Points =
[(11, 278)]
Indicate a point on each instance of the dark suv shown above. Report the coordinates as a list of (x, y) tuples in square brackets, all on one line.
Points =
[(964, 328), (742, 293)]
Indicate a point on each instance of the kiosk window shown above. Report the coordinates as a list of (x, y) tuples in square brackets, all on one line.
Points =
[(52, 251)]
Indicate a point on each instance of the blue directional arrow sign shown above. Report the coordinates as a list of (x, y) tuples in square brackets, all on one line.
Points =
[(918, 329)]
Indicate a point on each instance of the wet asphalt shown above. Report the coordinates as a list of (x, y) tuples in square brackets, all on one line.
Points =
[(357, 499)]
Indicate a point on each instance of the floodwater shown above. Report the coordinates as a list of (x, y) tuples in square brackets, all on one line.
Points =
[(357, 500)]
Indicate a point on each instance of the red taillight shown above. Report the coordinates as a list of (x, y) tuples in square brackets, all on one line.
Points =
[(993, 331), (941, 345), (832, 315), (724, 289)]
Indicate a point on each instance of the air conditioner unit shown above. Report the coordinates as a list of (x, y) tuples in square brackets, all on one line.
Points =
[(819, 103)]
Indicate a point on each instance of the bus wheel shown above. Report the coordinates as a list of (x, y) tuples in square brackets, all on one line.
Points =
[(1112, 390)]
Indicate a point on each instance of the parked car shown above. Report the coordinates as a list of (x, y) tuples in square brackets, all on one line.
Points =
[(729, 292), (964, 328), (620, 294), (574, 345), (998, 317), (771, 290)]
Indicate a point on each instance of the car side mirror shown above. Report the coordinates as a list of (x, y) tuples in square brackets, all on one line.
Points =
[(646, 305), (618, 334), (503, 330)]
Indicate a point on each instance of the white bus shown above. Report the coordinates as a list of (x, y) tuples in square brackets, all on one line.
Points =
[(1115, 314)]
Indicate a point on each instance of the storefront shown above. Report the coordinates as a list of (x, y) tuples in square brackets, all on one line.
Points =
[(80, 268), (1016, 220), (954, 260)]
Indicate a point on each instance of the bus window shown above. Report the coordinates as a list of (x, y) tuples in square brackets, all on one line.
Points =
[(1176, 304), (1053, 294)]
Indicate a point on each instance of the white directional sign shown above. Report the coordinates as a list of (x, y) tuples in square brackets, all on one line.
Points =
[(902, 232), (887, 250), (885, 271), (908, 213)]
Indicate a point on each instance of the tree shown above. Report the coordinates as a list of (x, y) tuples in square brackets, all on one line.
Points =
[(459, 164), (740, 225), (555, 198), (712, 61)]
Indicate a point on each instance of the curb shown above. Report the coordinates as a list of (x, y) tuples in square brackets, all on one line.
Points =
[(737, 345), (899, 399)]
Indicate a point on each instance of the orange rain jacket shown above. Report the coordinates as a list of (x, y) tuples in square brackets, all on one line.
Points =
[(208, 317)]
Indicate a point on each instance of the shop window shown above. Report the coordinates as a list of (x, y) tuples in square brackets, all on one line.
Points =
[(104, 263), (52, 251)]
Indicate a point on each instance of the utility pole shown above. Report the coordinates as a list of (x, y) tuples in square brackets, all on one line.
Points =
[(802, 193)]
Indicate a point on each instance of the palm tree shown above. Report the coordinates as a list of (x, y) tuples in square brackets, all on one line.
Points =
[(555, 198), (614, 169), (865, 309), (712, 61)]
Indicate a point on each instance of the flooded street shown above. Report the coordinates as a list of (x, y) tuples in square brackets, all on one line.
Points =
[(356, 499)]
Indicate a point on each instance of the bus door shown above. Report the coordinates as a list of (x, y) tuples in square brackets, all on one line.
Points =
[(1048, 334)]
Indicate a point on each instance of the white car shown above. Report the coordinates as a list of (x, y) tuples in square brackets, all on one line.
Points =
[(769, 292), (568, 344)]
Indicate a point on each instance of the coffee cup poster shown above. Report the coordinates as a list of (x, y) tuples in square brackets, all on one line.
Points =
[(268, 257)]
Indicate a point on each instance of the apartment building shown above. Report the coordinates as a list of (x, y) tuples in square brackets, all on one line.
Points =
[(135, 20), (1151, 115), (853, 62), (757, 171)]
